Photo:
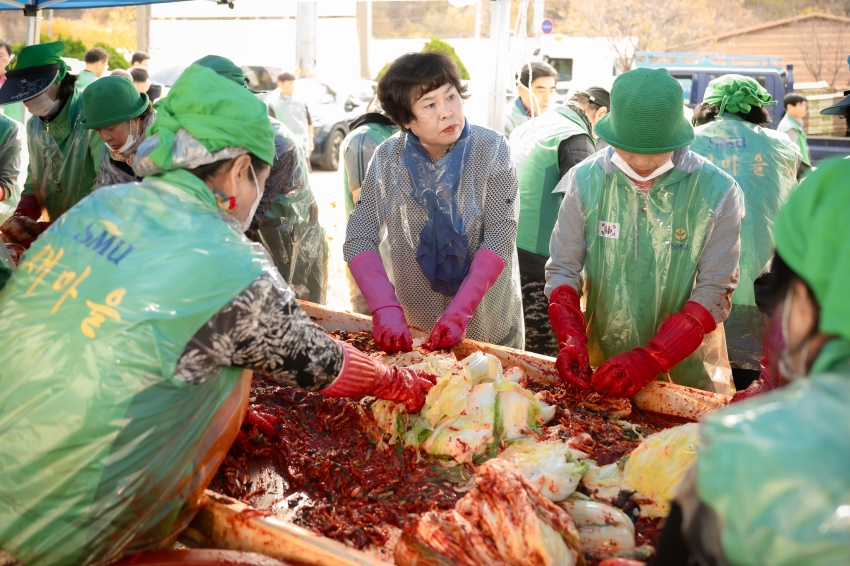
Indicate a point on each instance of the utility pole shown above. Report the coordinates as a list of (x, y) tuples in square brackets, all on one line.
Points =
[(537, 18), (364, 36), (50, 24), (143, 28), (500, 35), (306, 22)]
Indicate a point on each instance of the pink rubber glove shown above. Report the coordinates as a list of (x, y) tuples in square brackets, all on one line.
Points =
[(680, 335), (362, 375), (388, 323), (567, 322), (451, 328)]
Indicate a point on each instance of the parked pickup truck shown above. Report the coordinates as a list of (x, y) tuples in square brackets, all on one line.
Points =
[(695, 70)]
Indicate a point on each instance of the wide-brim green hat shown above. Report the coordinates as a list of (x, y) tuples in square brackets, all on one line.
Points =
[(111, 100), (646, 114), (33, 71)]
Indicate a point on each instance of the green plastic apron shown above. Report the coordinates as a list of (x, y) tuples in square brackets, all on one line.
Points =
[(766, 169), (352, 155), (642, 260), (535, 153), (102, 450), (64, 159), (788, 123)]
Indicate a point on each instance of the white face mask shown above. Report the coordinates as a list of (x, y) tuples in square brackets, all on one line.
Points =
[(42, 105), (627, 169), (127, 151), (245, 224)]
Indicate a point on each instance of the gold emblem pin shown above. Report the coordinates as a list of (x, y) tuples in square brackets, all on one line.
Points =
[(680, 234)]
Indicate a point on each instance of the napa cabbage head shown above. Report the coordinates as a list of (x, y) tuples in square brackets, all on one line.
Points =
[(519, 410), (655, 468), (471, 432), (550, 466)]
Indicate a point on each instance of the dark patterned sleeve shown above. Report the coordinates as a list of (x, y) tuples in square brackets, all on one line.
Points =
[(263, 329)]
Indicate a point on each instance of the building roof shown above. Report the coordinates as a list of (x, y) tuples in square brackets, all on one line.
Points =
[(768, 25)]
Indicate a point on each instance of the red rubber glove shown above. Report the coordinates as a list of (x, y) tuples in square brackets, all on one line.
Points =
[(28, 206), (389, 326), (573, 361), (680, 335), (362, 375), (451, 328)]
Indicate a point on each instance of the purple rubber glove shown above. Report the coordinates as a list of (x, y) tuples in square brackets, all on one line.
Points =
[(388, 323), (451, 328)]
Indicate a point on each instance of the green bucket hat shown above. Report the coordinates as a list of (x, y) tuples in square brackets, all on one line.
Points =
[(226, 68), (646, 114), (32, 71), (216, 112), (111, 100), (736, 93), (812, 233)]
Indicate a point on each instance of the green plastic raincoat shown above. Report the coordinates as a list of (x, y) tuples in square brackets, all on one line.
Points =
[(515, 116), (64, 159), (290, 229), (84, 79), (12, 154), (775, 469), (534, 151), (636, 257), (765, 163), (293, 113), (357, 150), (15, 111), (98, 277)]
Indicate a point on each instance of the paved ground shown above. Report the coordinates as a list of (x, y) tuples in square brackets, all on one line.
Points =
[(327, 188)]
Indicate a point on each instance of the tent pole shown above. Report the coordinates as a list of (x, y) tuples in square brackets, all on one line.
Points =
[(33, 16), (500, 36)]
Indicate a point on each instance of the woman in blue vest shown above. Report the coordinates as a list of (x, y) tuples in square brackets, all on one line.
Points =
[(131, 326)]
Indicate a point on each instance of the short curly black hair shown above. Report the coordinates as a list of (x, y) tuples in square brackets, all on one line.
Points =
[(409, 78)]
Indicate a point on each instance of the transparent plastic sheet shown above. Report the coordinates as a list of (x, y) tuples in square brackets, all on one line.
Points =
[(357, 150), (62, 172), (485, 200), (774, 470), (764, 162), (641, 263), (109, 174), (293, 114), (290, 228), (103, 450), (13, 160), (187, 153)]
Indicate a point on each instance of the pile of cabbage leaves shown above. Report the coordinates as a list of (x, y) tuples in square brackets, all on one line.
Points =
[(477, 414)]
